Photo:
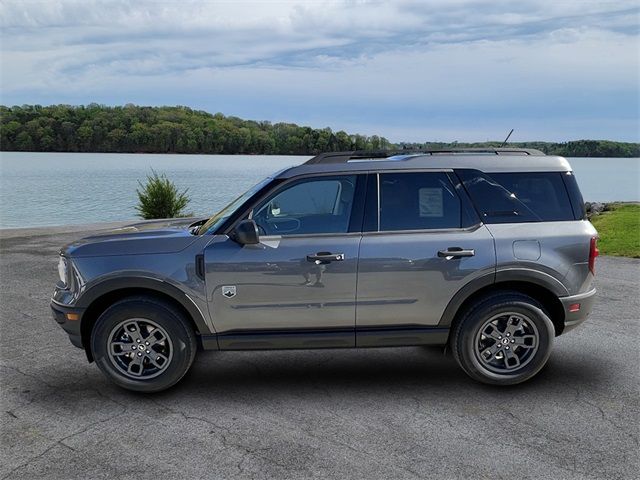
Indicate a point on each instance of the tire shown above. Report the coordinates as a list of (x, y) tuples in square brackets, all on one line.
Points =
[(498, 328), (162, 356)]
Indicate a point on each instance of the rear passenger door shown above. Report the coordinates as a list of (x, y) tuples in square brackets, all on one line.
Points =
[(422, 243)]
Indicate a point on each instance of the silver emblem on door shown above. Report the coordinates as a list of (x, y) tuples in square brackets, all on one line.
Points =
[(229, 291)]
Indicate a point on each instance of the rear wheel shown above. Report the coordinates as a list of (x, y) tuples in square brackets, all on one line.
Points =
[(503, 339), (143, 344)]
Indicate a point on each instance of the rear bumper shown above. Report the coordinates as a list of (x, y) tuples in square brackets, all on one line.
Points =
[(574, 318), (71, 327)]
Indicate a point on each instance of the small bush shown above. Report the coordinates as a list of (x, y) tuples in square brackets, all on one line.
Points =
[(160, 198)]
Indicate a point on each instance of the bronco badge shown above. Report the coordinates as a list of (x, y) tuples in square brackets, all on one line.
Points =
[(229, 291)]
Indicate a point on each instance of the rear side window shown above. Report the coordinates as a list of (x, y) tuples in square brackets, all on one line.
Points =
[(418, 201), (518, 197), (579, 210)]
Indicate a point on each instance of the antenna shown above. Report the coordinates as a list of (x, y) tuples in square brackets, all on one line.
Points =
[(505, 140)]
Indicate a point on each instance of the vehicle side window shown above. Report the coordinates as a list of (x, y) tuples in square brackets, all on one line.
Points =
[(579, 210), (518, 197), (418, 201), (311, 206)]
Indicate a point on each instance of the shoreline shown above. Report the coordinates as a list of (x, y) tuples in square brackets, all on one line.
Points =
[(238, 154), (616, 223), (8, 232), (31, 152)]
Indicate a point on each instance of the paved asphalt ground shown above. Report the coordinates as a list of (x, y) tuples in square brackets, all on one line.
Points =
[(383, 413)]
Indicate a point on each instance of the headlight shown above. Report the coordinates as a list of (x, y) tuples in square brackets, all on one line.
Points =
[(62, 269)]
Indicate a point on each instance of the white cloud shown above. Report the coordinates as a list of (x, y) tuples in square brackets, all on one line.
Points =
[(379, 65)]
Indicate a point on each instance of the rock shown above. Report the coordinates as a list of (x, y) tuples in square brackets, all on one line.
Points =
[(594, 208)]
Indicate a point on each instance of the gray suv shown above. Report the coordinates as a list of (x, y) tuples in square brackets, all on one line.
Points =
[(487, 252)]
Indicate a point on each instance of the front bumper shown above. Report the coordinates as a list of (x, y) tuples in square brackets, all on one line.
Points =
[(63, 315), (573, 317)]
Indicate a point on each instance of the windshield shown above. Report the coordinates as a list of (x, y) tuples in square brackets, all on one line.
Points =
[(219, 218)]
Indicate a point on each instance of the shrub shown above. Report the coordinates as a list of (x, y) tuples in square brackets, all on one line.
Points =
[(160, 198)]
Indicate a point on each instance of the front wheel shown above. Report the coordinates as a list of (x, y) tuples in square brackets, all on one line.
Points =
[(143, 344), (503, 339)]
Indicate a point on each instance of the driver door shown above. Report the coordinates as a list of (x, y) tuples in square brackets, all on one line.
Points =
[(297, 287)]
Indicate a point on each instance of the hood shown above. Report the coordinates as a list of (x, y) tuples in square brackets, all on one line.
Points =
[(151, 237)]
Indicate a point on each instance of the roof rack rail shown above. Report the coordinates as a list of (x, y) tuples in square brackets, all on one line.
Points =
[(344, 157)]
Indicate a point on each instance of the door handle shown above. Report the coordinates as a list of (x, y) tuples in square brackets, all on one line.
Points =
[(456, 252), (321, 258)]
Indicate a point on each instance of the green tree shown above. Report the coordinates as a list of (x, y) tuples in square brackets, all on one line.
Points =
[(160, 198), (8, 134), (24, 142), (84, 136)]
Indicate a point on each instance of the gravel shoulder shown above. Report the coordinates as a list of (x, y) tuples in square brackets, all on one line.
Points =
[(371, 413)]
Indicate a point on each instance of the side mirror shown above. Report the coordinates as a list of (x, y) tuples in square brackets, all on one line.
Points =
[(246, 233)]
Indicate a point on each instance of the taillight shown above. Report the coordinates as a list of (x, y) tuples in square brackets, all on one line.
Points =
[(593, 253)]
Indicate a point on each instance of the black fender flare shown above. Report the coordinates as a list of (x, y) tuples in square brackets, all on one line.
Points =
[(504, 276), (537, 277), (147, 283)]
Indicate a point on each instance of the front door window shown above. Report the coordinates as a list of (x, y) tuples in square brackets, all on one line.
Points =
[(313, 206)]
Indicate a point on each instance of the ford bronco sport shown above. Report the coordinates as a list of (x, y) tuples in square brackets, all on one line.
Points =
[(488, 252)]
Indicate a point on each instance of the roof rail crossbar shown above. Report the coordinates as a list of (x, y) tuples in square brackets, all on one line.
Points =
[(344, 157)]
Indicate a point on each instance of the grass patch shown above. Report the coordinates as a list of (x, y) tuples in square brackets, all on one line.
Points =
[(619, 230)]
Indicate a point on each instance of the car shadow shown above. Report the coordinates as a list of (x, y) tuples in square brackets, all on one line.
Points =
[(373, 372)]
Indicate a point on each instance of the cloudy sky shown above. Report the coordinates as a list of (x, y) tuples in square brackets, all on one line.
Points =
[(409, 70)]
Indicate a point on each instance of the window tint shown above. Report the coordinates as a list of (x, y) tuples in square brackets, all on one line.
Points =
[(418, 201), (579, 210), (320, 205), (217, 220), (518, 197)]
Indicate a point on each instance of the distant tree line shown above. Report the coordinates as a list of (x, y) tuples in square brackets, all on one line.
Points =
[(576, 148), (135, 129)]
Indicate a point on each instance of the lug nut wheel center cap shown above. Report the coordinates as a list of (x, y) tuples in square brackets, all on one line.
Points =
[(140, 348), (506, 342)]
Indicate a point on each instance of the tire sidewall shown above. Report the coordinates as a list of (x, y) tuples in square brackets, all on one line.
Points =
[(169, 320), (545, 341)]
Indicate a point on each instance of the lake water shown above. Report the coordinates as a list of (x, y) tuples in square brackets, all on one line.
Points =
[(42, 189)]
